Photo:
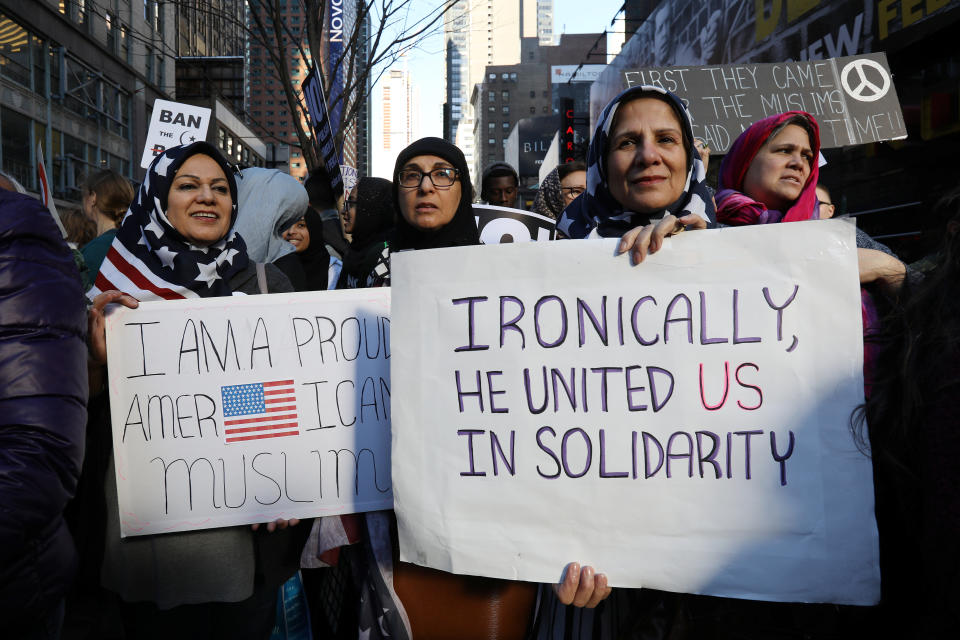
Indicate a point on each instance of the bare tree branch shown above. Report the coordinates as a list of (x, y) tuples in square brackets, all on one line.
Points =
[(392, 33)]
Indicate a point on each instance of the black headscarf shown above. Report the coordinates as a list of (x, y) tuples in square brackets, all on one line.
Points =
[(372, 226), (462, 229), (375, 212), (315, 259)]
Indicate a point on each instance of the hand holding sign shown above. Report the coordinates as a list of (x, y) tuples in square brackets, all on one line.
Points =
[(641, 240)]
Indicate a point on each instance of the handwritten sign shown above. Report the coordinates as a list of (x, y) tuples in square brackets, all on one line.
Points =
[(173, 124), (502, 225), (852, 98), (246, 409), (680, 425)]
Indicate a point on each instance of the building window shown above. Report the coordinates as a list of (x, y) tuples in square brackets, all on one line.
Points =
[(491, 125), (150, 76), (513, 76), (110, 23), (15, 54), (16, 147), (505, 95), (491, 141), (124, 43), (506, 126), (533, 94), (506, 109), (493, 76), (505, 76), (491, 95)]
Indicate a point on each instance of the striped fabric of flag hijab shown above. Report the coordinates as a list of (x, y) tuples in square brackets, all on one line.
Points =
[(150, 260)]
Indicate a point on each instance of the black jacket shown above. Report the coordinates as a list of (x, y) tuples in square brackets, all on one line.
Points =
[(43, 393)]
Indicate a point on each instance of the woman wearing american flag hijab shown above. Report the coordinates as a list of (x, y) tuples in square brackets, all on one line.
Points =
[(177, 241)]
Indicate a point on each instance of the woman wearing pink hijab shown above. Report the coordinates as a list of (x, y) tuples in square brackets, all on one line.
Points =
[(770, 175)]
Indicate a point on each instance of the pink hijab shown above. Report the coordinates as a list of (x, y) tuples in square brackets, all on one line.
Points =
[(735, 207)]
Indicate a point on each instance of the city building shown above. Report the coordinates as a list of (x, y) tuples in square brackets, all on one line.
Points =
[(80, 79), (397, 119), (480, 33), (211, 28), (509, 93), (266, 99)]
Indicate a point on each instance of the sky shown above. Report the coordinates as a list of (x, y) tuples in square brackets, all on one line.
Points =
[(426, 63)]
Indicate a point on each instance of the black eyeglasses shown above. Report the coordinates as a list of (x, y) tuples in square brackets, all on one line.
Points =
[(349, 203), (441, 178), (572, 192)]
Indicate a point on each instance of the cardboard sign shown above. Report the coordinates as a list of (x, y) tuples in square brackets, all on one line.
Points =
[(682, 424), (246, 409), (499, 225), (173, 124), (852, 98)]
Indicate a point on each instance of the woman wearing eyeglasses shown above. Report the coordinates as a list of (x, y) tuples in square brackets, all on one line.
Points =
[(560, 188), (573, 181), (432, 191)]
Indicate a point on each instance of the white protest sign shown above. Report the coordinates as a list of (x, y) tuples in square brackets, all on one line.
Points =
[(173, 124), (350, 177), (500, 225), (682, 424), (247, 409)]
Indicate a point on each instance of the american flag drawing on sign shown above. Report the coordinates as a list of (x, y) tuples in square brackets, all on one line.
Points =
[(259, 410)]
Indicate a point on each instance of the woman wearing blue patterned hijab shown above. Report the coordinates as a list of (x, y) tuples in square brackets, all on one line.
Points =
[(644, 178), (178, 240)]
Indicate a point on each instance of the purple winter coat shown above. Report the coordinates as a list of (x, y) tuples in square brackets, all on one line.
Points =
[(43, 413)]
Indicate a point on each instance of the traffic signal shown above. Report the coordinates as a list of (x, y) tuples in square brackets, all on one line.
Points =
[(567, 117)]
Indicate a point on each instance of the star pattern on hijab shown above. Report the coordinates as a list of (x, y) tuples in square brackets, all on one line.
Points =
[(207, 273), (154, 228), (166, 256), (163, 164), (227, 256)]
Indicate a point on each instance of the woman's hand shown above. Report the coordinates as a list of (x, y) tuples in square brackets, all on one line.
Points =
[(97, 324), (644, 240), (279, 523), (582, 587), (882, 270)]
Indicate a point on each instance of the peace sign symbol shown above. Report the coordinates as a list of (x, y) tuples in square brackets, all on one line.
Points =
[(866, 90)]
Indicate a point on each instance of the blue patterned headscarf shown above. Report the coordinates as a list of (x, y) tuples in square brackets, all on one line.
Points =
[(597, 210), (150, 260)]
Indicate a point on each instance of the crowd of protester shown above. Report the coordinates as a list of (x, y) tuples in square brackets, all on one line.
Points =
[(64, 569)]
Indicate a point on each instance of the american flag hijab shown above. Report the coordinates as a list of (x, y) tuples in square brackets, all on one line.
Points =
[(151, 260), (596, 210)]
